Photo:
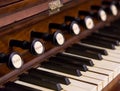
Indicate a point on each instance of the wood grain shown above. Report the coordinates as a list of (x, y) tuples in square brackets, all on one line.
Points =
[(20, 30), (4, 3)]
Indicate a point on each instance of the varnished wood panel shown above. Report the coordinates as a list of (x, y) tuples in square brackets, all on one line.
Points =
[(4, 3), (21, 30)]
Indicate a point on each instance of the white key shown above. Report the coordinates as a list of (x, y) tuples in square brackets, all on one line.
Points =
[(117, 47), (72, 88), (96, 82), (93, 75), (102, 71), (107, 65), (112, 59), (88, 87), (113, 51), (113, 54)]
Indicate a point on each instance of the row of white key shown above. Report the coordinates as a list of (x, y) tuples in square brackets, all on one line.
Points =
[(113, 51), (103, 64), (109, 66), (93, 80), (65, 87), (89, 84)]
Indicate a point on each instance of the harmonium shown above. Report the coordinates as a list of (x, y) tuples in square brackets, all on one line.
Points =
[(59, 45)]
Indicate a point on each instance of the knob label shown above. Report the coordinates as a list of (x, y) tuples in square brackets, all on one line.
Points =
[(114, 9), (89, 22), (103, 15), (38, 47), (54, 6), (75, 28), (17, 61), (60, 39)]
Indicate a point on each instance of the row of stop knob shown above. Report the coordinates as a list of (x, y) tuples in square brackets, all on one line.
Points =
[(72, 25)]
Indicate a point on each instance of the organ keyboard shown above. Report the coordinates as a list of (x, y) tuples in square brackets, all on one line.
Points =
[(76, 41)]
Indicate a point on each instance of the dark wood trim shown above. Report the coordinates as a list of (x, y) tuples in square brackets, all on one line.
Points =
[(34, 14), (4, 3)]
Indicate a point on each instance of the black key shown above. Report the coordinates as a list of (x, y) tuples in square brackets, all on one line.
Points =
[(92, 37), (79, 47), (116, 23), (98, 43), (40, 82), (107, 35), (75, 60), (110, 40), (5, 89), (51, 76), (61, 68), (115, 28), (17, 87), (110, 30), (81, 52), (80, 66)]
